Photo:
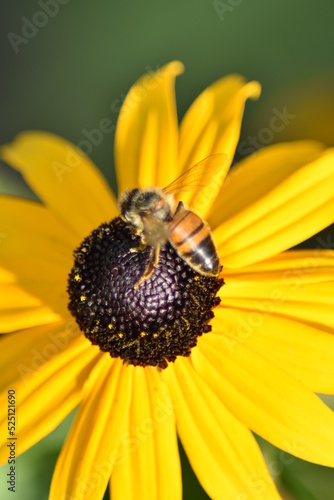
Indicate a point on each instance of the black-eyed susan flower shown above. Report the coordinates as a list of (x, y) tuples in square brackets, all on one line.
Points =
[(271, 345)]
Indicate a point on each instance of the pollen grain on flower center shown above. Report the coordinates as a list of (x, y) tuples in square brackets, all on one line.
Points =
[(148, 325)]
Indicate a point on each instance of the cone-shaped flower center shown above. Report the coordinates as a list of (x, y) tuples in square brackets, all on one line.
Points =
[(150, 324)]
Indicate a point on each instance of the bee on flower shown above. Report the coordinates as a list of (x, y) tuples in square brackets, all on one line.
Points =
[(169, 313)]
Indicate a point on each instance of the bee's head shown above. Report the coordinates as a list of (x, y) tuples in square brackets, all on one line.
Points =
[(138, 203)]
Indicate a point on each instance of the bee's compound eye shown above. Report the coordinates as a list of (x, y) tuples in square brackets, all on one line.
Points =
[(150, 324), (164, 213), (148, 197)]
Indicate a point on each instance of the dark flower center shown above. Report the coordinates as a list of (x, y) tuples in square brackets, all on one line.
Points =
[(150, 324)]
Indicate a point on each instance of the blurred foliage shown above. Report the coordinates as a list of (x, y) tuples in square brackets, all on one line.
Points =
[(75, 70), (76, 67), (311, 102)]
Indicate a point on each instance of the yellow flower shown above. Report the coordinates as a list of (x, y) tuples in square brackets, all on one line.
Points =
[(271, 346)]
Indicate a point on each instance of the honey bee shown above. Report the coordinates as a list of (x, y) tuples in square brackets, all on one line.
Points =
[(154, 214)]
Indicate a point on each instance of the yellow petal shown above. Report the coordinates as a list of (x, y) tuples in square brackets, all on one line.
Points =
[(308, 302), (221, 450), (212, 125), (31, 230), (260, 173), (267, 399), (307, 353), (37, 255), (293, 267), (148, 465), (64, 178), (6, 276), (274, 207), (35, 294), (47, 368), (86, 460), (26, 352), (23, 270), (14, 319), (147, 131)]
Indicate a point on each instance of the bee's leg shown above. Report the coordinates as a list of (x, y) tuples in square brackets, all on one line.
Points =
[(139, 248), (179, 208), (137, 231), (156, 253), (154, 259)]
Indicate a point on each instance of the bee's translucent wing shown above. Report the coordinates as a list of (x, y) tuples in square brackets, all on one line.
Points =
[(199, 175)]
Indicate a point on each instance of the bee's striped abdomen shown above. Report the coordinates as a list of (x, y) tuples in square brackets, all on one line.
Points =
[(191, 238)]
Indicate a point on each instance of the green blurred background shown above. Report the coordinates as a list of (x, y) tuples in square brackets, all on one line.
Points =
[(66, 75)]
